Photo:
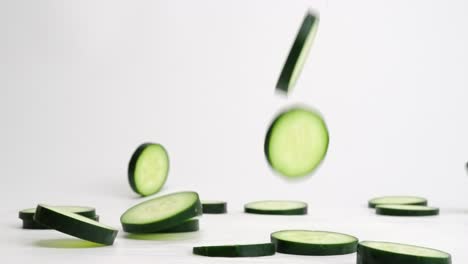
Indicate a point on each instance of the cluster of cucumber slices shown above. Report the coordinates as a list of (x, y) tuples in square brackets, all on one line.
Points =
[(295, 144)]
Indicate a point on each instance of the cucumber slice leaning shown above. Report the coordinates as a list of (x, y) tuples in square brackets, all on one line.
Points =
[(190, 225), (373, 252), (148, 169), (232, 251), (31, 224), (161, 213), (296, 142), (316, 243), (406, 210), (401, 200), (75, 225), (214, 207), (298, 53), (272, 207), (28, 214)]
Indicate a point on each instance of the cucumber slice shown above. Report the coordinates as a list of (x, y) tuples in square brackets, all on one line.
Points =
[(276, 207), (373, 252), (190, 225), (296, 142), (214, 207), (406, 210), (148, 169), (161, 213), (28, 214), (298, 53), (316, 243), (232, 251), (75, 225), (31, 224), (401, 200)]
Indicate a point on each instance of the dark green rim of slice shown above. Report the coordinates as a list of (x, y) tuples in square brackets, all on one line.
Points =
[(28, 214), (233, 251), (190, 225), (400, 210), (214, 208), (31, 224), (74, 226), (417, 200)]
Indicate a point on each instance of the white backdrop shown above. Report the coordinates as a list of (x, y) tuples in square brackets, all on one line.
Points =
[(83, 83)]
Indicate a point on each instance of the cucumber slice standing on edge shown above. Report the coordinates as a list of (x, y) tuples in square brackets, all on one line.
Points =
[(161, 213), (75, 225), (400, 200), (272, 207), (373, 252), (214, 207), (314, 243), (406, 210), (232, 251), (298, 53), (148, 169), (296, 142)]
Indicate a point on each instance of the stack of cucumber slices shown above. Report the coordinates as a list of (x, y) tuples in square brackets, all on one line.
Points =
[(402, 206)]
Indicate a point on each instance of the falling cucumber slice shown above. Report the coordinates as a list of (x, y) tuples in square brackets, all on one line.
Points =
[(298, 53), (399, 200), (296, 142), (161, 213), (232, 251), (75, 225), (148, 169), (315, 243), (276, 207), (373, 252), (214, 207), (406, 210)]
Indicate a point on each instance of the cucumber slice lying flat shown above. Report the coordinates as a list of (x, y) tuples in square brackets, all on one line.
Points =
[(401, 200), (406, 210), (148, 169), (276, 207), (28, 214), (31, 224), (75, 225), (214, 207), (252, 250), (161, 213), (296, 142), (316, 243), (190, 225), (372, 252), (298, 54)]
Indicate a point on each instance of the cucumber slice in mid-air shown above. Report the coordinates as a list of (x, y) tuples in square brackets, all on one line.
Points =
[(298, 53), (190, 225), (296, 142), (28, 214), (373, 252), (161, 213), (214, 207), (251, 250), (31, 224), (316, 243), (148, 169), (278, 207), (75, 225), (400, 200), (406, 210)]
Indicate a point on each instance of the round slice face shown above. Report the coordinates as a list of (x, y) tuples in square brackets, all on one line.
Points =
[(214, 207), (397, 200), (296, 142), (298, 54), (232, 251), (161, 213), (148, 169), (406, 210), (276, 207), (75, 225), (28, 214), (373, 252), (316, 243)]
